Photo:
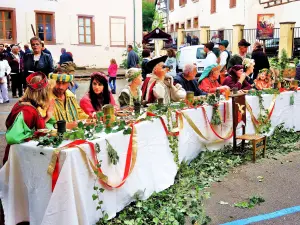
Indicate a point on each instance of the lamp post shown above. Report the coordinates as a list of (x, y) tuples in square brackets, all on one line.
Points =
[(134, 23)]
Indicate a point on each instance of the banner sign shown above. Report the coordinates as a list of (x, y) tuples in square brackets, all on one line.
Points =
[(265, 26)]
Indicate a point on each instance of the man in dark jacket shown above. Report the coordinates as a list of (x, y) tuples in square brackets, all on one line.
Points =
[(14, 60), (45, 50), (260, 59), (132, 58), (188, 81), (188, 39), (65, 57), (38, 60)]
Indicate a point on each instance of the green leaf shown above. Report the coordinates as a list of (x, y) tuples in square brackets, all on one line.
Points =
[(80, 125), (94, 196)]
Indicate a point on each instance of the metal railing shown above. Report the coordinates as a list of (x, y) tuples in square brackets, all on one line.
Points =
[(217, 36), (271, 44), (296, 42)]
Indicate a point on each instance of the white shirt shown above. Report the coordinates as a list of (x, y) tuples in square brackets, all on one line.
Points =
[(4, 68), (211, 58), (223, 57)]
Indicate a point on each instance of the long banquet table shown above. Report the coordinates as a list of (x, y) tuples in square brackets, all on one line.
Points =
[(25, 186)]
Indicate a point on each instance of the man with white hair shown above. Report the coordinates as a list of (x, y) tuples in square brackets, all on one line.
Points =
[(14, 60), (187, 79)]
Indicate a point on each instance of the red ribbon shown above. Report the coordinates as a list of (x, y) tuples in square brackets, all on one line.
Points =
[(212, 128), (94, 157), (163, 124)]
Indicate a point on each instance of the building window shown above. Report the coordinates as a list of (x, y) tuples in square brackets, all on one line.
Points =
[(176, 27), (172, 28), (232, 3), (182, 2), (171, 5), (7, 25), (86, 30), (182, 26), (117, 27), (45, 27), (195, 22), (189, 24)]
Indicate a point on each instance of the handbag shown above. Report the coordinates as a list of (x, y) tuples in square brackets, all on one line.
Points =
[(19, 131)]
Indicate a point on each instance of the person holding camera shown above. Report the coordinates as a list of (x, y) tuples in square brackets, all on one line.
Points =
[(161, 85)]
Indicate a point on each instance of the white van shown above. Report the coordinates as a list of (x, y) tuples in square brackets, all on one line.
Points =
[(192, 55)]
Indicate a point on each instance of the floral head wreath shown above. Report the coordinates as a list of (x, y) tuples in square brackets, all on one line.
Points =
[(248, 62), (39, 85), (131, 74)]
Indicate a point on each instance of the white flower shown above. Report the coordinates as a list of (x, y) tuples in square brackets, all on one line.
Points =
[(248, 62)]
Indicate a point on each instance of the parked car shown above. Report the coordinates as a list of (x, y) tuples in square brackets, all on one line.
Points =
[(272, 47), (193, 55)]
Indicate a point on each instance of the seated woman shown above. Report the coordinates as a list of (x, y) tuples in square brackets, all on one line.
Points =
[(98, 95), (237, 78), (208, 81), (249, 70), (132, 91), (24, 117)]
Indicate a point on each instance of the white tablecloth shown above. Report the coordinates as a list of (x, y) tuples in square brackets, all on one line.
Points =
[(25, 186)]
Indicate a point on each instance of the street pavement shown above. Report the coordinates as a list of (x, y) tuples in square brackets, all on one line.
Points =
[(279, 188)]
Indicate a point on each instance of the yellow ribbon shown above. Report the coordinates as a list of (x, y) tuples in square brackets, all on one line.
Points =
[(193, 125)]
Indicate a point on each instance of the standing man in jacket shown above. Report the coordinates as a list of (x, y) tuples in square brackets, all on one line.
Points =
[(64, 57), (132, 58), (260, 59), (14, 60)]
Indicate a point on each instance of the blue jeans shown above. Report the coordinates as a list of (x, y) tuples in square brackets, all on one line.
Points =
[(112, 84)]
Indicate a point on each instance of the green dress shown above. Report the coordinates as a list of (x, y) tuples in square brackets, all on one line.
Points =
[(127, 99)]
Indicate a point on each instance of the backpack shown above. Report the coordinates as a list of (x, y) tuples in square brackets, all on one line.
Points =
[(228, 58)]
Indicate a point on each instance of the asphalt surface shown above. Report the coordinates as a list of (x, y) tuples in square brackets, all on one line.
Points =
[(280, 188)]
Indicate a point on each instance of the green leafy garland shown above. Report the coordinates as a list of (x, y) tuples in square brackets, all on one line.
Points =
[(216, 117), (263, 117), (112, 154), (173, 140), (98, 191)]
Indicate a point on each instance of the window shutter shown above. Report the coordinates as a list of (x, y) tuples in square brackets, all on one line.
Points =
[(171, 4), (213, 6), (232, 3)]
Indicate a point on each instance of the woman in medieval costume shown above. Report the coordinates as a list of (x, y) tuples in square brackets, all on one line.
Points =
[(24, 117), (208, 81), (98, 95), (132, 92)]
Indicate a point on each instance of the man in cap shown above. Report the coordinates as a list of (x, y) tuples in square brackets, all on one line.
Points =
[(211, 57), (237, 59), (224, 59), (66, 107)]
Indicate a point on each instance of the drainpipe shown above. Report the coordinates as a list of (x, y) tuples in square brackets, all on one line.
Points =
[(134, 23)]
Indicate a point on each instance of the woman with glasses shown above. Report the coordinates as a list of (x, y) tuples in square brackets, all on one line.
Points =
[(38, 61), (98, 95)]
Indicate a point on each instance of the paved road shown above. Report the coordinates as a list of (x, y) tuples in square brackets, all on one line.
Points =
[(280, 188)]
